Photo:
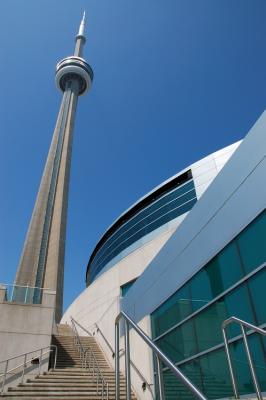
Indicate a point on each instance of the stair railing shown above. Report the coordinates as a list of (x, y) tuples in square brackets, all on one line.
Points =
[(243, 326), (145, 383), (105, 340), (37, 357), (88, 360), (159, 356)]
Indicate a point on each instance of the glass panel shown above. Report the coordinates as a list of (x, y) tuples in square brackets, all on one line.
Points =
[(252, 243), (125, 288), (224, 270), (174, 389), (201, 292), (257, 285), (175, 309), (179, 343), (208, 325), (179, 192), (238, 305), (117, 247), (215, 375), (258, 355), (162, 211)]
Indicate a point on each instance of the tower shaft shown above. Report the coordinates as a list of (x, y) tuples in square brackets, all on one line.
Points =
[(42, 259)]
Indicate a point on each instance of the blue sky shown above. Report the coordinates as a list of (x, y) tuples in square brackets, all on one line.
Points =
[(174, 81)]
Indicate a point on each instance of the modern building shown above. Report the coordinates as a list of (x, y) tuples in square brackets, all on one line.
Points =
[(180, 261), (183, 259)]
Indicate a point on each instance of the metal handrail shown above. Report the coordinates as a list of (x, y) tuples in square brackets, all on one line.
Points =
[(243, 325), (25, 362), (160, 357), (113, 355), (25, 297), (82, 327), (89, 360), (104, 338)]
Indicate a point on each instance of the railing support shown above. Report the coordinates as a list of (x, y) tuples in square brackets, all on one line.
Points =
[(40, 363), (4, 377), (117, 368), (163, 358), (55, 357), (127, 361), (243, 325), (160, 378), (251, 365), (23, 370), (87, 358), (26, 293), (230, 365), (24, 364)]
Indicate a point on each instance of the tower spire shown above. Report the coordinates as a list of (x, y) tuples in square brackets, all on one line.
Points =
[(82, 25), (42, 260), (80, 38)]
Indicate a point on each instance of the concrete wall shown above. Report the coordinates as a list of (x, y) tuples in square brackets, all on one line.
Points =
[(100, 303), (24, 328)]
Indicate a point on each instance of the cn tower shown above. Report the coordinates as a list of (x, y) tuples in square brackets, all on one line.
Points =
[(42, 261)]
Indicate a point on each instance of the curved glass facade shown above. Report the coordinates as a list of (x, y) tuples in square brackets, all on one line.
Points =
[(187, 326), (161, 207)]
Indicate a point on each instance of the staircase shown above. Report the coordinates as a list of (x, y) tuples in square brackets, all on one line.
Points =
[(213, 387), (69, 380)]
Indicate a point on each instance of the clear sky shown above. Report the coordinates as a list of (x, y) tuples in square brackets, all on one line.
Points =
[(174, 81)]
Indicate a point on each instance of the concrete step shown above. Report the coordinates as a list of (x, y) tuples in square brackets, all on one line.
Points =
[(67, 358), (55, 389), (76, 370), (68, 373), (59, 396), (65, 395), (53, 394), (69, 380), (88, 383), (76, 378), (80, 378)]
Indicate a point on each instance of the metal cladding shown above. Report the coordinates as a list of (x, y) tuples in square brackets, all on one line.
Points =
[(74, 68)]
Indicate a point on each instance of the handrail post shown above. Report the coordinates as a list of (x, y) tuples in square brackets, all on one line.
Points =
[(12, 293), (40, 363), (163, 358), (230, 365), (243, 325), (24, 365), (55, 358), (160, 378), (88, 359), (127, 361), (26, 293), (251, 365), (4, 378), (117, 372)]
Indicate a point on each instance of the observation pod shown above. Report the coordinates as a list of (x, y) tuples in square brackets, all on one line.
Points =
[(75, 68)]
